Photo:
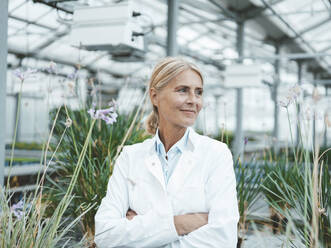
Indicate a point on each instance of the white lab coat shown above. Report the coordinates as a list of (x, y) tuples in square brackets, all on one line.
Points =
[(203, 181)]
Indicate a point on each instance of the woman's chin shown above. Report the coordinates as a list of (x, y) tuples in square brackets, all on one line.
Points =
[(188, 123)]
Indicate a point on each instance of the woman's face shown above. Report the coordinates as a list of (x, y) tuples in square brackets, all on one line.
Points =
[(180, 102)]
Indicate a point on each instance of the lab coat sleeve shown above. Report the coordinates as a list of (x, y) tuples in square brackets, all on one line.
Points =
[(113, 229), (221, 199)]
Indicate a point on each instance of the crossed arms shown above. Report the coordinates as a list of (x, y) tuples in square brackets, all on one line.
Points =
[(118, 227)]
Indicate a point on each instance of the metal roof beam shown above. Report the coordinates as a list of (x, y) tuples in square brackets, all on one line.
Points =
[(255, 11), (323, 82), (53, 5), (31, 22), (315, 25), (18, 6), (297, 35), (188, 52), (200, 6), (232, 15), (50, 41), (326, 49), (198, 37), (89, 68), (34, 54), (217, 20), (293, 56), (223, 25)]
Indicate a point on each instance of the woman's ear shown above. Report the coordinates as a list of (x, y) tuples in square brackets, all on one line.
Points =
[(153, 96)]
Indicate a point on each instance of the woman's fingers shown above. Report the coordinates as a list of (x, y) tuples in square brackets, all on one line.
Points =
[(130, 214)]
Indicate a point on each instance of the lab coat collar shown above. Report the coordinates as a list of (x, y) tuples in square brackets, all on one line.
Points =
[(185, 164), (193, 138)]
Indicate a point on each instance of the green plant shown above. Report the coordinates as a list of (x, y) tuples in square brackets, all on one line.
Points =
[(26, 225), (306, 194), (248, 177), (225, 136), (300, 154), (288, 175), (301, 202), (97, 164)]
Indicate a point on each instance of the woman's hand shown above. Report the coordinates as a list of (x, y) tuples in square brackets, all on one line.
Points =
[(189, 222), (130, 214), (184, 224)]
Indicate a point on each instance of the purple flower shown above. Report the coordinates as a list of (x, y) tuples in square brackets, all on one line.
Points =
[(108, 115), (17, 209), (102, 112), (22, 75), (18, 205), (110, 119), (245, 140)]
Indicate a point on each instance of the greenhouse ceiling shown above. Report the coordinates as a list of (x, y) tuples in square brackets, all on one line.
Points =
[(207, 31)]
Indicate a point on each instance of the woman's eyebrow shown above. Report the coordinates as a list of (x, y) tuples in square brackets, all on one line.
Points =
[(181, 86), (188, 86)]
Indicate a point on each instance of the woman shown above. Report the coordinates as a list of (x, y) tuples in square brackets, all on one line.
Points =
[(177, 189)]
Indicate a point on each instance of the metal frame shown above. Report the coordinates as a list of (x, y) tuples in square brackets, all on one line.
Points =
[(297, 35), (239, 135), (3, 84), (173, 9)]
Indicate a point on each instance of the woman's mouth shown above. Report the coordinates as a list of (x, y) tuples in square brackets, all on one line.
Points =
[(191, 112)]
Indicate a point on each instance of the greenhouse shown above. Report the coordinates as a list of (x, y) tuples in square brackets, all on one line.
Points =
[(165, 123)]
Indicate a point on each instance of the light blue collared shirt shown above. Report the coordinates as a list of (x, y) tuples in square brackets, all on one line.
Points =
[(170, 159)]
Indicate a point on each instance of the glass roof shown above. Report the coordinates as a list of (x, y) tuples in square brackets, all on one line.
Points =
[(207, 33), (204, 28), (312, 21)]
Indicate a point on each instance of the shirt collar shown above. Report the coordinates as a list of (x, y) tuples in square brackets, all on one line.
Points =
[(180, 144), (192, 142)]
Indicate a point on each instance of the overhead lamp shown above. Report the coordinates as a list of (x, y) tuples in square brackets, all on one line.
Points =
[(113, 28)]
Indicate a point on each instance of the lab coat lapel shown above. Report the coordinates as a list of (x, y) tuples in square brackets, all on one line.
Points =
[(183, 169), (154, 165), (186, 163)]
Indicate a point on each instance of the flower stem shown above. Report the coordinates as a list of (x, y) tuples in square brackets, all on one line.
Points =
[(15, 132), (291, 134)]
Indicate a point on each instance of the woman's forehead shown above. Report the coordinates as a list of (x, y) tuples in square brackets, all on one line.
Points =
[(188, 78)]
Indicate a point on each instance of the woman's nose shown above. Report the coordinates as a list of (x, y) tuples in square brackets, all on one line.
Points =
[(192, 98)]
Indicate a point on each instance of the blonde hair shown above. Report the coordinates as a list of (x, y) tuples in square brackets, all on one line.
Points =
[(167, 69)]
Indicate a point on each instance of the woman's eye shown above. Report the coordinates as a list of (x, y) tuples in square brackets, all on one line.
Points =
[(199, 92), (182, 90)]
